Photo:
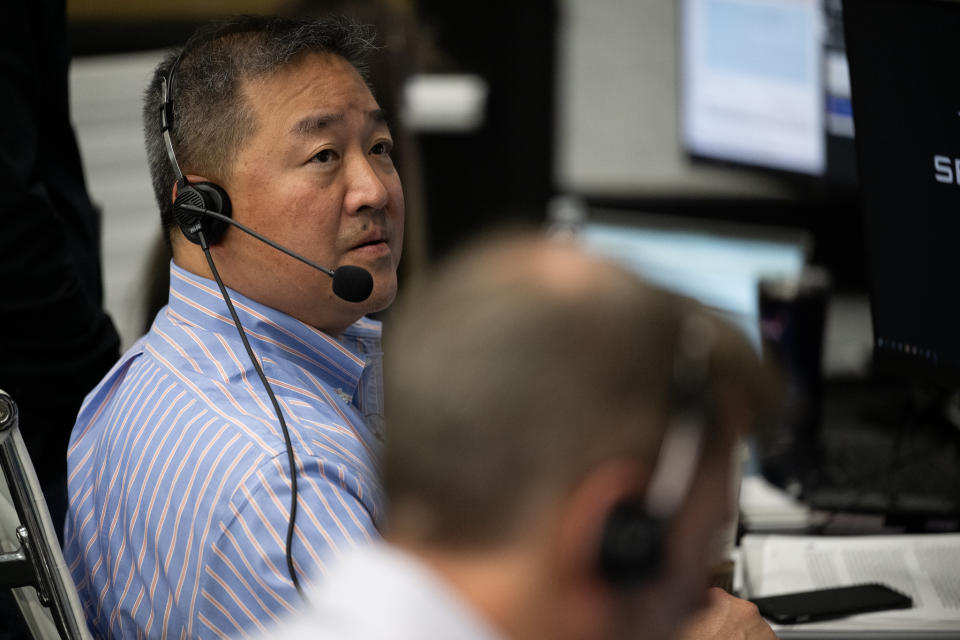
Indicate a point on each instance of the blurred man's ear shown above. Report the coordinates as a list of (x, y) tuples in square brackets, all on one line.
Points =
[(587, 510), (586, 596)]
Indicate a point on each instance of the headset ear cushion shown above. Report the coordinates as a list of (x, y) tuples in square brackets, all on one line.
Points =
[(205, 195), (632, 545)]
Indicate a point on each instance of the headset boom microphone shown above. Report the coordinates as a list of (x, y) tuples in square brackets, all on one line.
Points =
[(350, 282)]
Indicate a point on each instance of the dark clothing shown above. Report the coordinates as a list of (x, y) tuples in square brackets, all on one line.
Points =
[(56, 342)]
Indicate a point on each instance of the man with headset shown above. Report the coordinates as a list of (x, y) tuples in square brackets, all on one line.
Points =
[(558, 461), (232, 451)]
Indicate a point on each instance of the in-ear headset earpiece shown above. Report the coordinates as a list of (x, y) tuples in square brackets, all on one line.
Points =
[(632, 542), (632, 545)]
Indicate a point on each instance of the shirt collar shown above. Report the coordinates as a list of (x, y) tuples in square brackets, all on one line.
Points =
[(274, 334)]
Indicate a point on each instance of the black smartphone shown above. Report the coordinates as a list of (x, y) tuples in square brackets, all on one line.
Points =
[(835, 602)]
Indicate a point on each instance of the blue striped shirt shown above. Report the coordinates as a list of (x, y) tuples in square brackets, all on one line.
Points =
[(178, 478)]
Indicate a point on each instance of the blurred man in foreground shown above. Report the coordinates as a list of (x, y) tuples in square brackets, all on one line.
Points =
[(558, 460)]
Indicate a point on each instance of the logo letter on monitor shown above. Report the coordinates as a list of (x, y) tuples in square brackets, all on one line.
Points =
[(943, 168)]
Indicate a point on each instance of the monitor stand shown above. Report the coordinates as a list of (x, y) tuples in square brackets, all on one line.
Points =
[(882, 448)]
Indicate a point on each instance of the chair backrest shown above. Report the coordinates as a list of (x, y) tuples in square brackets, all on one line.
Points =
[(38, 562)]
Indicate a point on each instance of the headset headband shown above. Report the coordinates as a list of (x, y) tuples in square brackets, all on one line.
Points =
[(166, 115)]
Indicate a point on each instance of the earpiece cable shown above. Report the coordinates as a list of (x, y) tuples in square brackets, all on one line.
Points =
[(276, 406)]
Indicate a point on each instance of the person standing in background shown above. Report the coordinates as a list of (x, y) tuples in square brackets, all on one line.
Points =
[(56, 340)]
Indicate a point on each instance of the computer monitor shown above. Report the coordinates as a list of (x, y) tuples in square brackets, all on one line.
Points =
[(889, 448), (765, 85), (906, 102), (718, 264), (752, 82)]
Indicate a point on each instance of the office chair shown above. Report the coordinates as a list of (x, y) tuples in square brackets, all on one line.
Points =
[(54, 610)]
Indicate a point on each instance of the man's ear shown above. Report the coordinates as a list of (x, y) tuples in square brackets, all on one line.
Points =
[(585, 602), (585, 513)]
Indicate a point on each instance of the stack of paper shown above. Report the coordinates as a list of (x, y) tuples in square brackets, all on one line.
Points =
[(925, 567)]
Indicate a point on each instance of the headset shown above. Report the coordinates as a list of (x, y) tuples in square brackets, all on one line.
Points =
[(632, 542), (202, 211), (209, 197)]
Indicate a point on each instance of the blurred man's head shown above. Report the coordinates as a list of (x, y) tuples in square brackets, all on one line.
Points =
[(278, 114), (529, 392)]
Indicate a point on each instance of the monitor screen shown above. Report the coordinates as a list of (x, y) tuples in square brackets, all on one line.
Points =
[(753, 82), (719, 268), (906, 103)]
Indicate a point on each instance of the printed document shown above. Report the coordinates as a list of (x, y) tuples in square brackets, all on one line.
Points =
[(924, 567)]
